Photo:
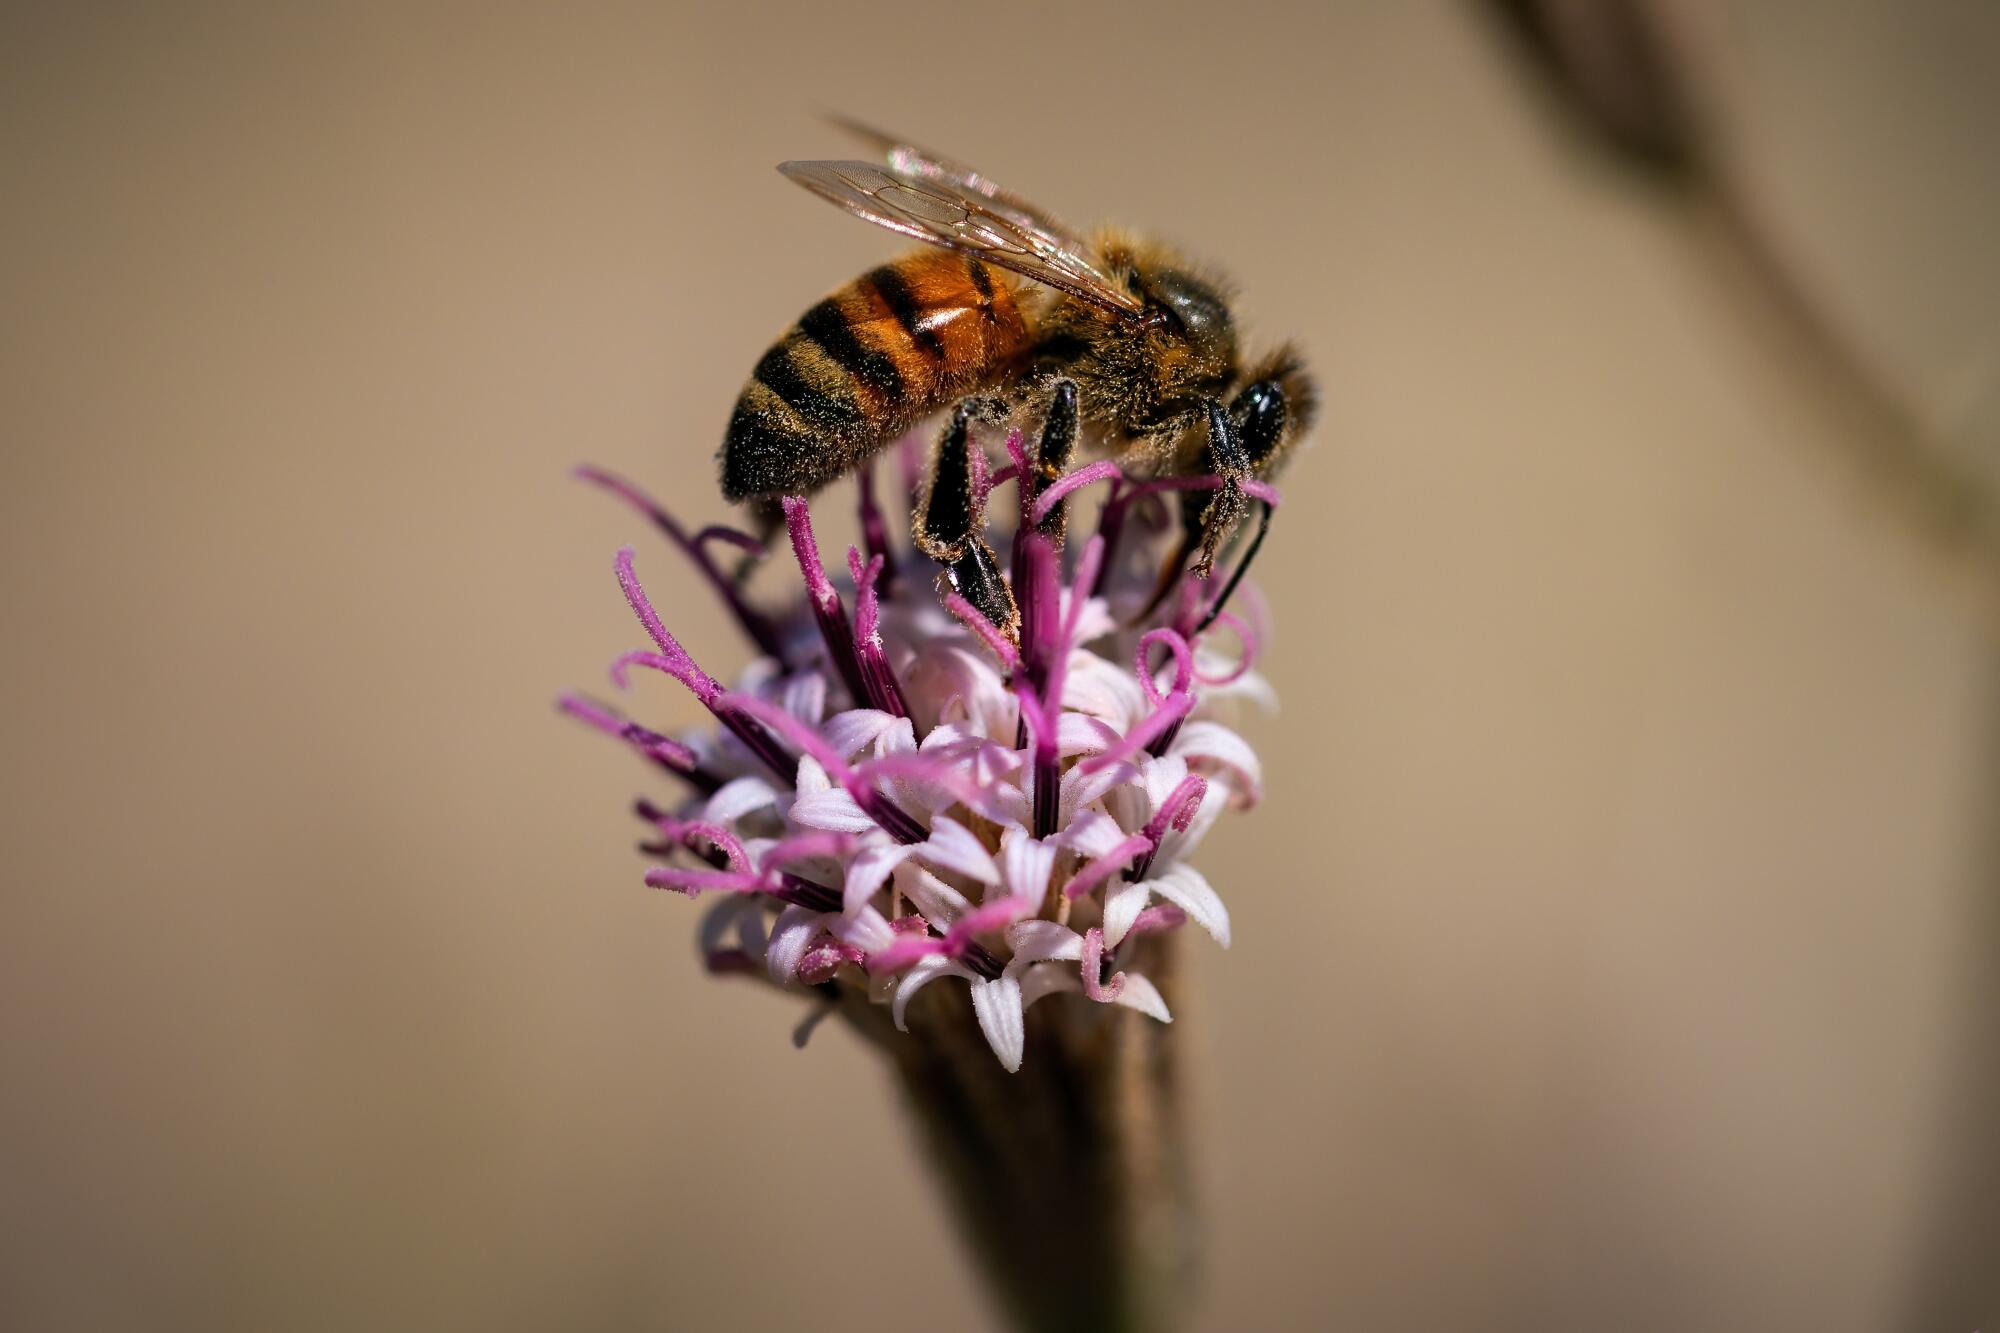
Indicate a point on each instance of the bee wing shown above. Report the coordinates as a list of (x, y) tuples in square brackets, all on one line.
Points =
[(952, 213), (927, 164)]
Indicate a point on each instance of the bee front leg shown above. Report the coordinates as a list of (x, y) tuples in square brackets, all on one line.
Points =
[(1216, 513), (1261, 421), (948, 527)]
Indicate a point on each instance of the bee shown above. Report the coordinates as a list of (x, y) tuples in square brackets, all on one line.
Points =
[(1110, 340)]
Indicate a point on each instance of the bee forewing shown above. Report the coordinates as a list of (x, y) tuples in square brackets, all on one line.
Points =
[(956, 214), (928, 164)]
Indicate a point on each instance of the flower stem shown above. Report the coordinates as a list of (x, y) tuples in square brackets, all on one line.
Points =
[(1069, 1179)]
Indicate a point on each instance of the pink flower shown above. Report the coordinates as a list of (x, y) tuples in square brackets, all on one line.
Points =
[(907, 794)]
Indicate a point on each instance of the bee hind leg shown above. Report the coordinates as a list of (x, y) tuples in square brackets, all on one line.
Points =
[(948, 522)]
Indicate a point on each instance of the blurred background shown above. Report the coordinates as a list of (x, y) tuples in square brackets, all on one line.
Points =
[(1617, 945)]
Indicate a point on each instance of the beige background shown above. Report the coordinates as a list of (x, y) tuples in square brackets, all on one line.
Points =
[(1615, 947)]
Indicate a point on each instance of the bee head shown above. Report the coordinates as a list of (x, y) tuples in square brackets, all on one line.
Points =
[(1188, 321)]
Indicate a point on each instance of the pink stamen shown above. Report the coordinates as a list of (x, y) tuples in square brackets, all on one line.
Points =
[(910, 462), (874, 528), (1176, 813), (885, 692), (1177, 642), (1107, 865), (683, 879), (1023, 472), (1183, 663), (902, 951), (1246, 639), (1094, 984), (935, 769), (1159, 917), (1168, 715), (958, 942), (803, 846), (1261, 490), (1250, 486), (754, 623), (827, 609), (893, 818), (1038, 683), (687, 833), (995, 641), (1090, 474), (823, 959), (664, 750), (728, 536), (674, 661), (1180, 807)]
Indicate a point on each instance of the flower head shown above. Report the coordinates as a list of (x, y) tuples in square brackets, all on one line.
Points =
[(908, 793)]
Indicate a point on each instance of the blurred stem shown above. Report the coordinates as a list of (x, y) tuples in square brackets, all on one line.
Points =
[(1616, 74), (1069, 1179)]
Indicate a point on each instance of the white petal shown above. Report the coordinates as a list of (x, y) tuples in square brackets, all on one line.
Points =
[(1128, 804), (949, 733), (1103, 688), (1047, 979), (832, 810), (944, 672), (867, 930), (1025, 863), (1090, 834), (913, 794), (1122, 904), (737, 798), (938, 902), (1093, 620), (804, 697), (952, 847), (794, 929), (850, 732), (999, 1008), (899, 737), (810, 777), (1218, 744), (1005, 804), (1160, 777), (1251, 686), (921, 974), (1080, 733), (1080, 789), (866, 872), (1040, 941), (1139, 993), (757, 675), (1186, 888)]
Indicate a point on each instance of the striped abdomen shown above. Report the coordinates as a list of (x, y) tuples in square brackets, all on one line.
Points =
[(862, 366)]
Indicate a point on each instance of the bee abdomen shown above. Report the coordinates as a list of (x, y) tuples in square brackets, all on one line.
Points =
[(861, 366)]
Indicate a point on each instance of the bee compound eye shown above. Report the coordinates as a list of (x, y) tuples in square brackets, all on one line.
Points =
[(1259, 416)]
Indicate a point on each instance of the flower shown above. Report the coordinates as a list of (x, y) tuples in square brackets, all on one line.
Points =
[(912, 795)]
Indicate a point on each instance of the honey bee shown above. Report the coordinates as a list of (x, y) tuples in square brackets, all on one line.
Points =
[(1111, 339)]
